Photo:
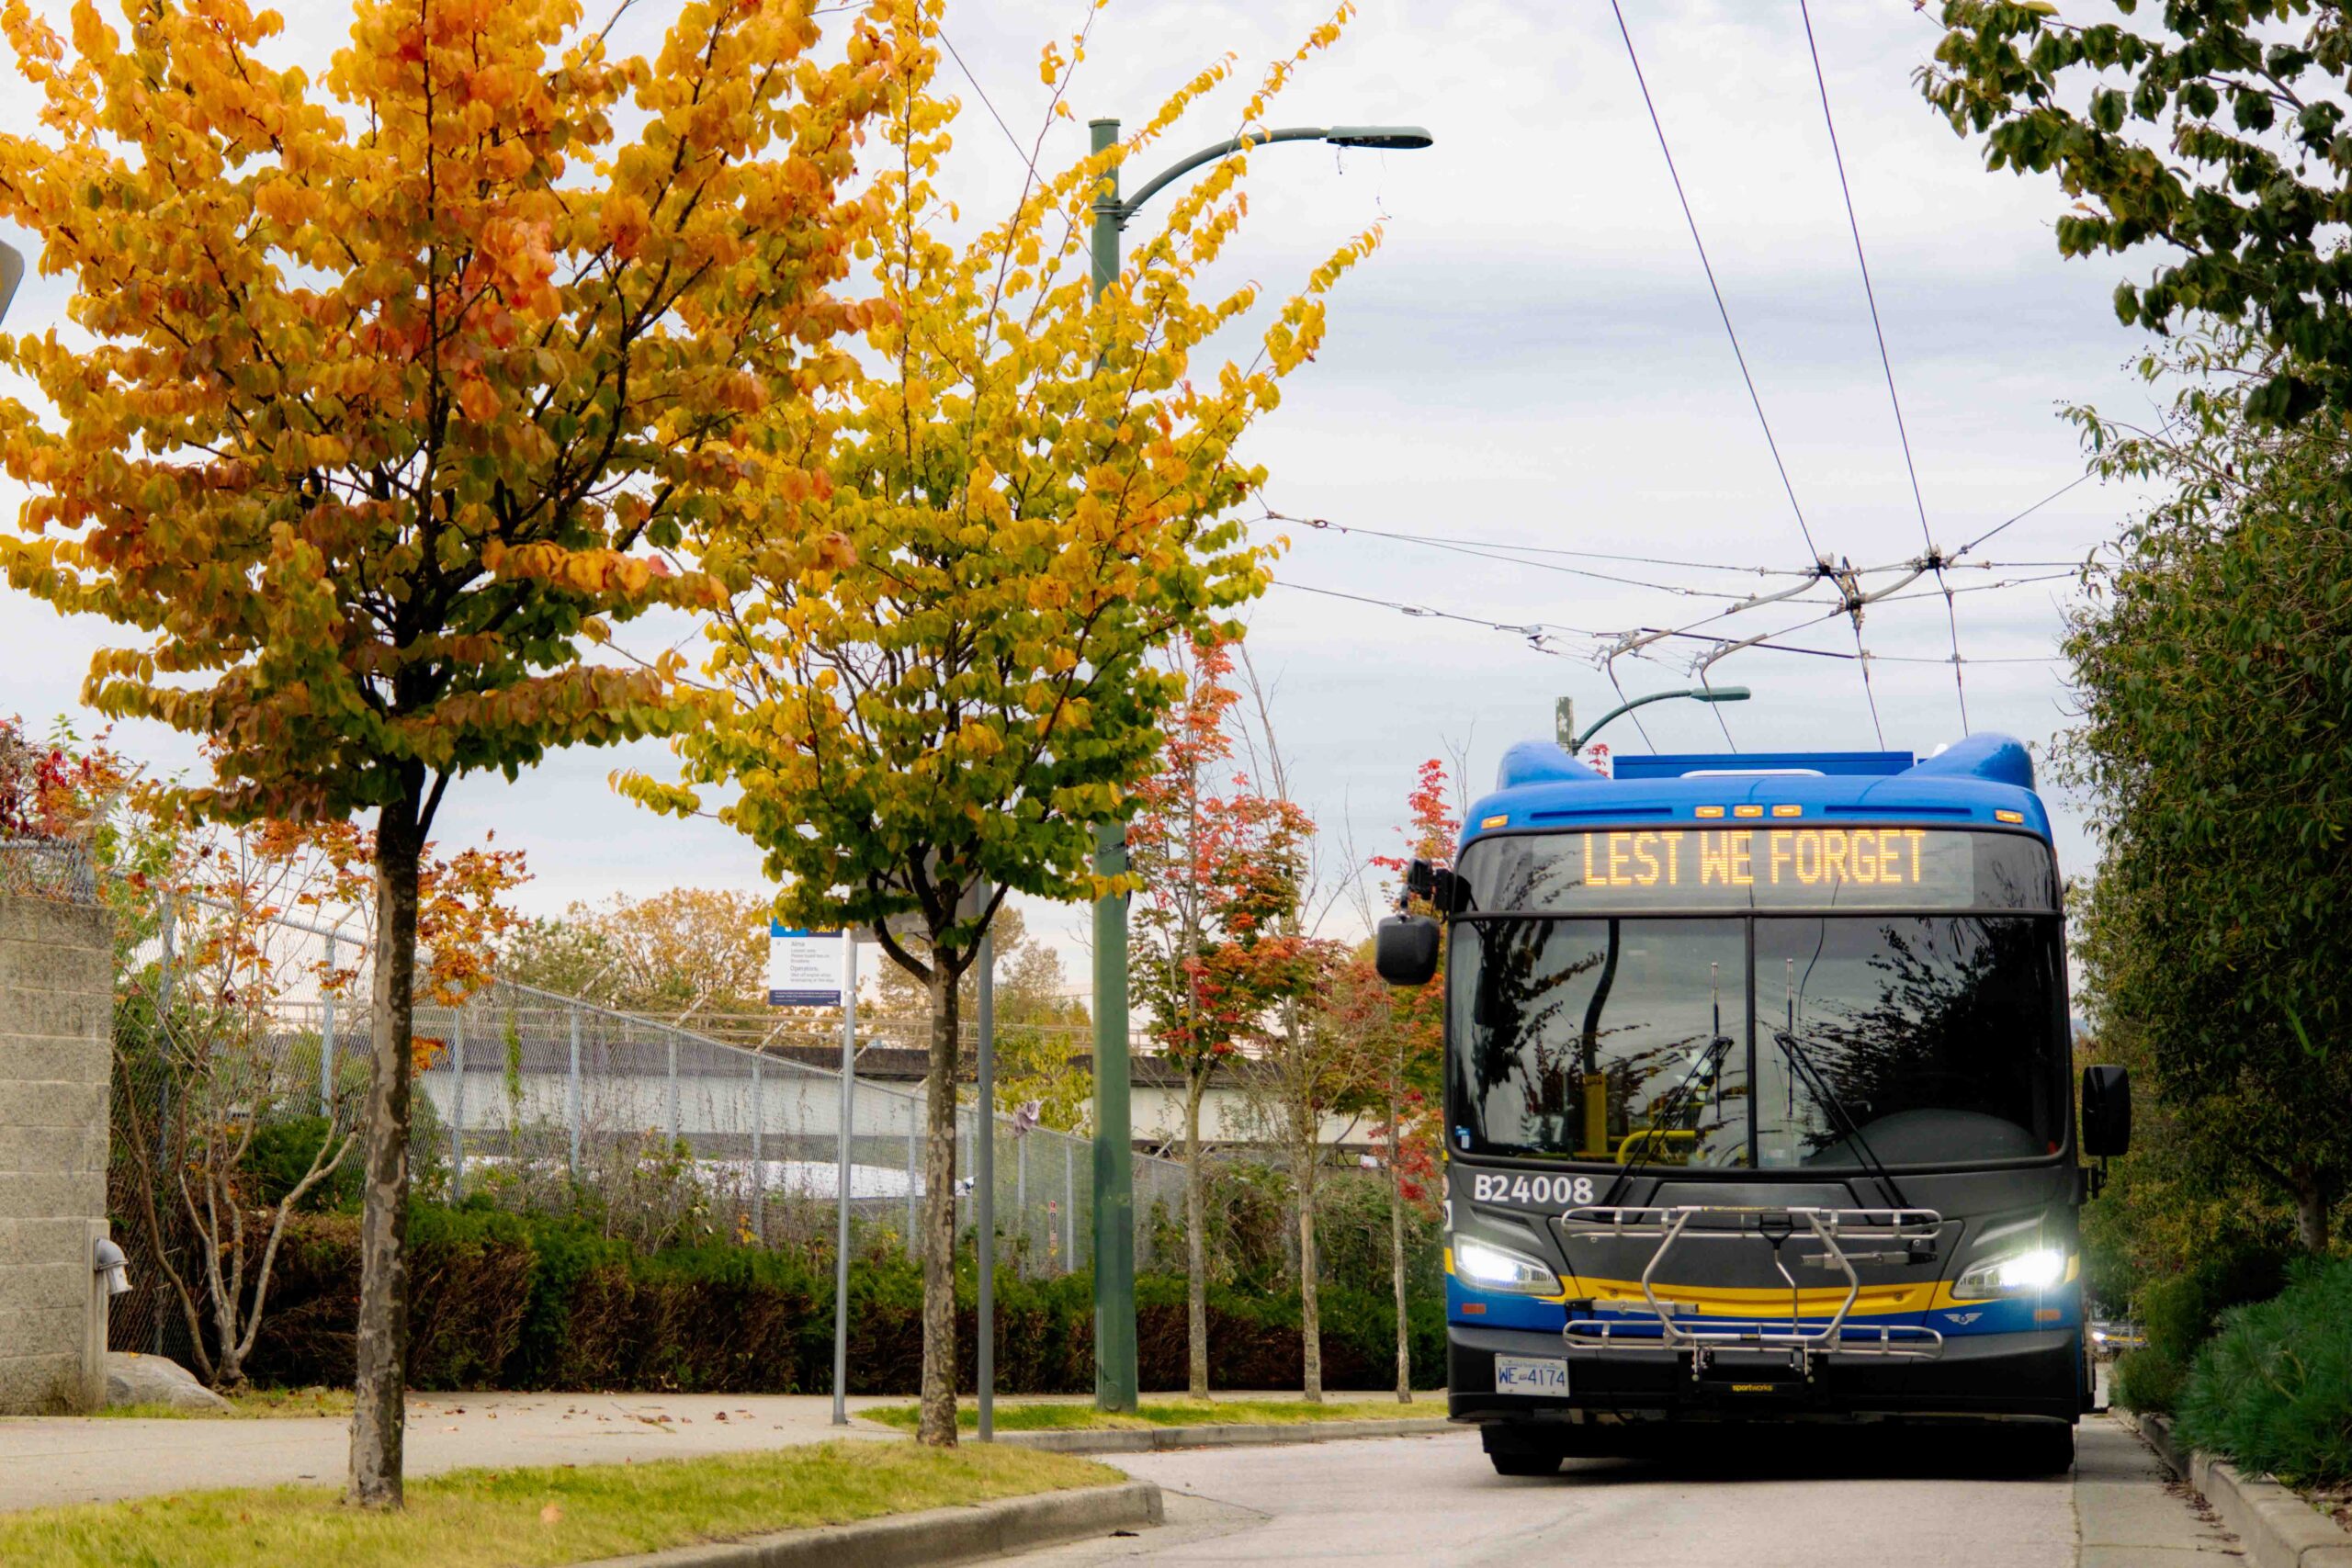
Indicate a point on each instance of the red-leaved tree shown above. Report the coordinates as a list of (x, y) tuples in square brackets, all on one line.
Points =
[(1411, 1046), (1222, 863)]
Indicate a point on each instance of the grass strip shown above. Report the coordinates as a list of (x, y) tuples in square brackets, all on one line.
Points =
[(1060, 1417), (539, 1517)]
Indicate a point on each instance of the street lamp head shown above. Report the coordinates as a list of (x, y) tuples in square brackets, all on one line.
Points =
[(1721, 693), (1388, 138)]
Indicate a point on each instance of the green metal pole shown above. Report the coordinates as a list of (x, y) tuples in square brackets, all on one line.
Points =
[(1114, 1194)]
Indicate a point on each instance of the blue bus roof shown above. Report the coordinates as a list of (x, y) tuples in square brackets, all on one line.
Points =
[(1540, 785)]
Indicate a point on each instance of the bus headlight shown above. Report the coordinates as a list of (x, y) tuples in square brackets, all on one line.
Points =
[(2014, 1274), (1488, 1266)]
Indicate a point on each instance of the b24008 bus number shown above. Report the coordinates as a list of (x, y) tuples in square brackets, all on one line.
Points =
[(1560, 1190)]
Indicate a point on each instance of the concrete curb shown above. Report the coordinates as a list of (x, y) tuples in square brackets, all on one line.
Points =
[(927, 1539), (1224, 1435), (2279, 1529)]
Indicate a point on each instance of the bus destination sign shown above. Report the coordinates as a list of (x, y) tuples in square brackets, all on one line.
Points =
[(1631, 869), (1828, 859)]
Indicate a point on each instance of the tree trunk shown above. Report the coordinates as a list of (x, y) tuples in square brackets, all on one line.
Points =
[(1196, 1257), (938, 1423), (1311, 1309), (377, 1403), (2311, 1206), (1396, 1255)]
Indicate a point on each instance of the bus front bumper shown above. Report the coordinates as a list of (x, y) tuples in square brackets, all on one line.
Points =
[(2034, 1373)]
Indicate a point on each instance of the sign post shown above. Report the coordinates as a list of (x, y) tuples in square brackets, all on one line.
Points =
[(841, 1204), (801, 974), (984, 1185)]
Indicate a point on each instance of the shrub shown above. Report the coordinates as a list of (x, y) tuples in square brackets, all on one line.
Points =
[(2148, 1379), (534, 1301), (2273, 1390), (280, 1154), (2179, 1312)]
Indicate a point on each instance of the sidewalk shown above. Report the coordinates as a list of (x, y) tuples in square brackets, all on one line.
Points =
[(62, 1459), (49, 1459)]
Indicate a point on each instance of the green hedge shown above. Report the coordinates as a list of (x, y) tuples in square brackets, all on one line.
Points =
[(2180, 1313), (507, 1300), (2272, 1391)]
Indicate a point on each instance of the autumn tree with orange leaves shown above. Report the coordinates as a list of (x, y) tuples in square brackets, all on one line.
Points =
[(1222, 864), (383, 387), (935, 673)]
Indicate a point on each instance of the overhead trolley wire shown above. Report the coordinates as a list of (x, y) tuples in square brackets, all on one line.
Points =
[(1769, 646), (1951, 620), (1869, 694), (1610, 668), (1324, 525), (1484, 552), (1754, 398), (1869, 294), (1533, 632), (1982, 587), (1536, 634), (2082, 479), (1809, 574), (987, 103), (1894, 399)]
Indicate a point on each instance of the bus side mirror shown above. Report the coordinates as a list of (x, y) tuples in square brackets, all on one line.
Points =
[(2107, 1112), (1404, 950)]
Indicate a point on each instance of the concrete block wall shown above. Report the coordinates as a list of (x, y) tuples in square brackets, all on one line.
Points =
[(56, 1039)]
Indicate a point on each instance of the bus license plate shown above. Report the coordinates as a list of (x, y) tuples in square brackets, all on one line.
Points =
[(1530, 1374)]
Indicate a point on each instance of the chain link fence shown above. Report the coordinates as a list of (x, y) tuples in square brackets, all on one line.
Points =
[(47, 868), (539, 1102)]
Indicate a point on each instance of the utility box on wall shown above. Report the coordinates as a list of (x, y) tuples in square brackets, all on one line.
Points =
[(56, 1037)]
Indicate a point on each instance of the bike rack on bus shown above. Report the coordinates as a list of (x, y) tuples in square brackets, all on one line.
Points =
[(1898, 1229)]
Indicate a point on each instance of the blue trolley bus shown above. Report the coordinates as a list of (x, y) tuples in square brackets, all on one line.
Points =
[(1759, 1103)]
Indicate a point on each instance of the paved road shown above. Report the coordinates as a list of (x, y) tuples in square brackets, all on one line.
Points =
[(1420, 1501)]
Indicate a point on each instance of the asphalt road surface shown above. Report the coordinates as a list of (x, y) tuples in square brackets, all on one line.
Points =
[(1434, 1502)]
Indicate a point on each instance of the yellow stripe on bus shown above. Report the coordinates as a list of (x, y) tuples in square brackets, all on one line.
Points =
[(1751, 1300)]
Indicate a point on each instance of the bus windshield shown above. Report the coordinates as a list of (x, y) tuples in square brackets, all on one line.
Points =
[(1766, 1040)]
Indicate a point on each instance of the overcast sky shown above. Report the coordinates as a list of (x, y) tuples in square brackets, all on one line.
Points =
[(1531, 360)]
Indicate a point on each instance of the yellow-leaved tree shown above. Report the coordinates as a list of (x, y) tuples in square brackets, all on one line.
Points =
[(383, 388), (932, 673)]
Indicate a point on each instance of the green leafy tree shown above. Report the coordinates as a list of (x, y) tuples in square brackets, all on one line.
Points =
[(2216, 733), (2214, 128), (933, 671), (1045, 1047), (381, 384)]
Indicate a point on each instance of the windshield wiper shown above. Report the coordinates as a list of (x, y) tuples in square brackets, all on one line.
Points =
[(1817, 1084), (1710, 1058)]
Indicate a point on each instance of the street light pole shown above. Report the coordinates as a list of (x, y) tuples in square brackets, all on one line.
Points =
[(1115, 1197), (1114, 1187), (1696, 694)]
